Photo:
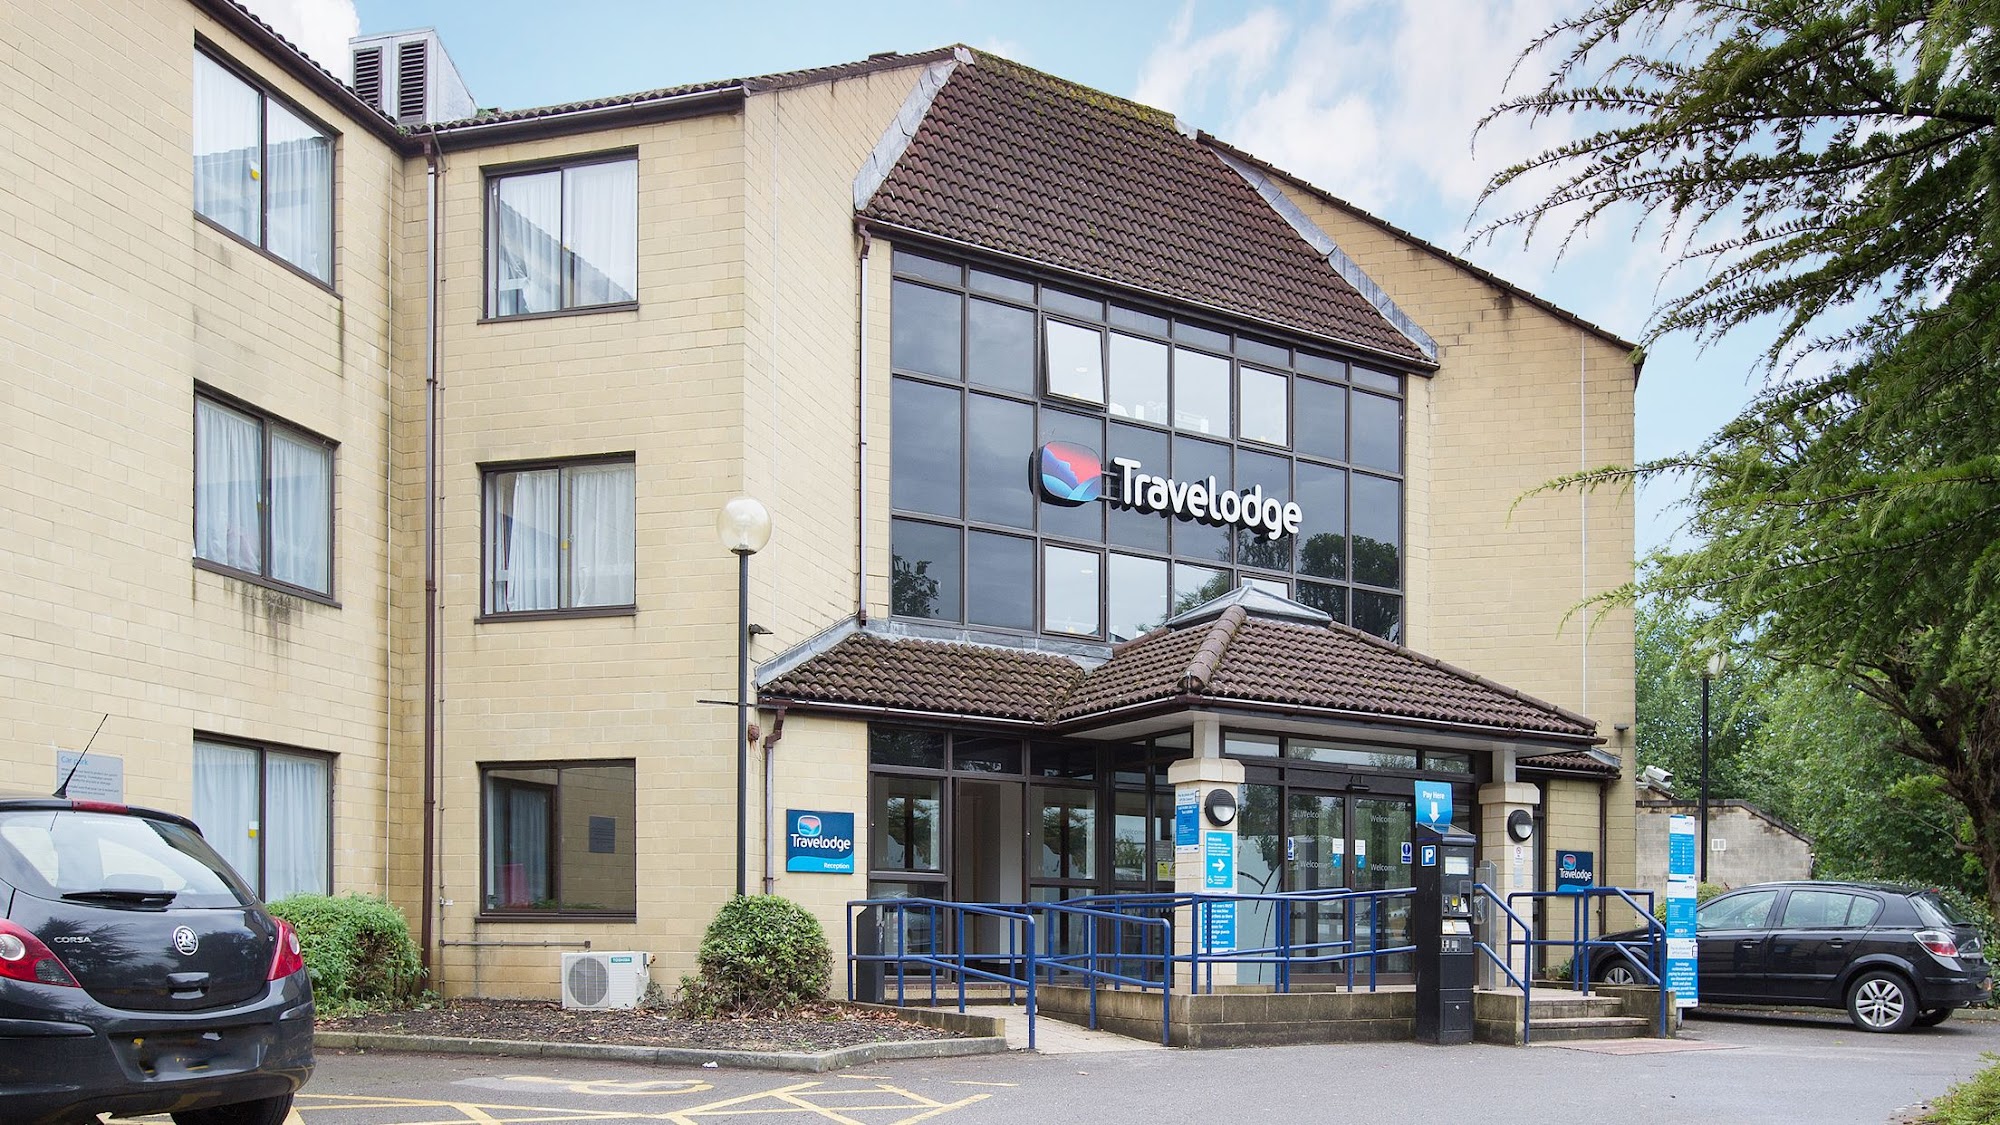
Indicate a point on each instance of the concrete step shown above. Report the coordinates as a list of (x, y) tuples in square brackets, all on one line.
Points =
[(1570, 1030), (1571, 1005)]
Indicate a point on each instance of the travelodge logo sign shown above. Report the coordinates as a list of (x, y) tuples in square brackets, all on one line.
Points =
[(1071, 474), (819, 841)]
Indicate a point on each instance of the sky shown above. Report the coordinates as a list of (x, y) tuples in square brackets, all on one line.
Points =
[(1373, 101)]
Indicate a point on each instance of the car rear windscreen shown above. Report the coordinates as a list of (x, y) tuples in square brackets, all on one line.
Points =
[(1935, 911), (50, 853)]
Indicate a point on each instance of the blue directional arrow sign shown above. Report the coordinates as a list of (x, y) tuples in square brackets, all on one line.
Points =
[(1433, 805), (1219, 862)]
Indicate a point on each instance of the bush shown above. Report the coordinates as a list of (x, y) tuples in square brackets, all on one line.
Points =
[(1702, 893), (357, 948), (762, 955), (1975, 1101)]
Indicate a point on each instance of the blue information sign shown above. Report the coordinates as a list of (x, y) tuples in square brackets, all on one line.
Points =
[(1219, 862), (1221, 933), (1187, 824), (1406, 851), (819, 841), (1575, 871), (1430, 855), (1434, 805), (1683, 975)]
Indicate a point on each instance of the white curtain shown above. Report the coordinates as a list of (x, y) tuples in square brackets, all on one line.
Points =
[(601, 538), (297, 802), (226, 142), (526, 262), (524, 531), (517, 844), (601, 232), (225, 803), (228, 466), (301, 512), (298, 178)]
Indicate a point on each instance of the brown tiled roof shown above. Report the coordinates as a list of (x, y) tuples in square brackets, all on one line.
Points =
[(1242, 658), (1232, 658), (1025, 164), (932, 676), (1570, 761)]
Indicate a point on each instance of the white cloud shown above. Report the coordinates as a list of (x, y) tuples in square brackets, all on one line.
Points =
[(320, 28), (1235, 54)]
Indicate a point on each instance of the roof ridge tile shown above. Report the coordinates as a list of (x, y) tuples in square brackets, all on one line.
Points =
[(1214, 646)]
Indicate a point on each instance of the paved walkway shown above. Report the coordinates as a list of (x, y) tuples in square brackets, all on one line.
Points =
[(1056, 1037)]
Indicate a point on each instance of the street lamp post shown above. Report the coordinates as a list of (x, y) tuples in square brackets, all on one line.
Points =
[(1716, 665), (744, 526)]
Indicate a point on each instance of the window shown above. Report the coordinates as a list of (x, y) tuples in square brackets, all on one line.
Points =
[(560, 538), (269, 812), (987, 367), (262, 171), (563, 238), (263, 497), (559, 838)]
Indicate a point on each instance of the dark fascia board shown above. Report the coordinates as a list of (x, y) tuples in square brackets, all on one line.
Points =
[(476, 134), (1487, 276), (1553, 741), (288, 58)]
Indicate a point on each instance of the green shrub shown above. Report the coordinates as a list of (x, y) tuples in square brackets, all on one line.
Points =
[(763, 954), (357, 948), (1975, 1101), (1702, 893)]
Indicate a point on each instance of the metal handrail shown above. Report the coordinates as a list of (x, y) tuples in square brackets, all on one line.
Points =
[(1526, 982), (1582, 946), (957, 964)]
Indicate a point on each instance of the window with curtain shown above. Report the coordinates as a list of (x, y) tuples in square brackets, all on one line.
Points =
[(559, 838), (563, 238), (269, 812), (262, 171), (263, 497), (560, 537)]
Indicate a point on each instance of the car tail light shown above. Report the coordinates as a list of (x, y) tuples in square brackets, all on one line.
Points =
[(288, 959), (1940, 943), (24, 957), (99, 806)]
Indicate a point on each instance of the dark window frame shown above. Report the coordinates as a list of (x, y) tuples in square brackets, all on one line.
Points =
[(263, 749), (490, 913), (1195, 331), (266, 420), (491, 177), (265, 95), (487, 471)]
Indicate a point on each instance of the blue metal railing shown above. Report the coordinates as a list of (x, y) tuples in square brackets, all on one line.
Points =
[(1583, 948), (1524, 982)]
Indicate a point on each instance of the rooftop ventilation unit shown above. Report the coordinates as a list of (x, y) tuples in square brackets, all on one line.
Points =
[(408, 76), (605, 980)]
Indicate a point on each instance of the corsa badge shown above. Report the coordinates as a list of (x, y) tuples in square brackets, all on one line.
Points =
[(185, 943)]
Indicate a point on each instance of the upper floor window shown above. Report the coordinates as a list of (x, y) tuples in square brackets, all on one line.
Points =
[(263, 497), (563, 238), (560, 537), (262, 171)]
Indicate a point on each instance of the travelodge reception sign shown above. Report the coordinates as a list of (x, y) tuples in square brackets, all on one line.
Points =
[(1072, 474)]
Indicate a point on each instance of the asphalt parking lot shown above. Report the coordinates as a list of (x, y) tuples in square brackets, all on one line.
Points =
[(1725, 1070)]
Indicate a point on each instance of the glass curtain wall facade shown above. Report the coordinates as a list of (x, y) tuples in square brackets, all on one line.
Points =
[(989, 367)]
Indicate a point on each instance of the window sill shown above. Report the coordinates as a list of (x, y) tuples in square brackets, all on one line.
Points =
[(586, 310), (268, 583), (558, 614), (266, 254), (557, 916)]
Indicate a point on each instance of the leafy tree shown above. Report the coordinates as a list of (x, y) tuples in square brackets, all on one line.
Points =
[(1832, 157), (1670, 657)]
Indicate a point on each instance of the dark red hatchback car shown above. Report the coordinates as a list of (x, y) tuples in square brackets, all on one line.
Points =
[(139, 975)]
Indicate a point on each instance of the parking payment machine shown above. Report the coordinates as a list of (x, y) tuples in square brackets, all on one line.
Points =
[(1441, 925)]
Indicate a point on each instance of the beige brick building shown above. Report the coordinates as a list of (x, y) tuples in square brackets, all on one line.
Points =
[(366, 460)]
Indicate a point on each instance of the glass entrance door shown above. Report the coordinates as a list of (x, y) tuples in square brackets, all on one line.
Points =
[(1381, 832), (1315, 860)]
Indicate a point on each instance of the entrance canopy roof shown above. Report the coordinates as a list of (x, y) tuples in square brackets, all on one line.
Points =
[(1248, 652)]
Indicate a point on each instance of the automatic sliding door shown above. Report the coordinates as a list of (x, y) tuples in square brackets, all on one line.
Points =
[(1315, 851), (1381, 831)]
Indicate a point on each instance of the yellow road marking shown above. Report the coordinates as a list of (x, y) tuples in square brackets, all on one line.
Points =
[(970, 1082), (606, 1086)]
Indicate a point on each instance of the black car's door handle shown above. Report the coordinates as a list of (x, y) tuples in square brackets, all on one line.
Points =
[(186, 985)]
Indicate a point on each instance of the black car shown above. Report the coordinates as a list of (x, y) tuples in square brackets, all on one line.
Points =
[(1893, 956), (139, 975)]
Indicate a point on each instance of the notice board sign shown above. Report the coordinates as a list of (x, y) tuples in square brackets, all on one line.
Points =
[(819, 841), (1682, 964)]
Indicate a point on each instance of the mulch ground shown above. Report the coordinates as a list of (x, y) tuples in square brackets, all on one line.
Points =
[(822, 1028)]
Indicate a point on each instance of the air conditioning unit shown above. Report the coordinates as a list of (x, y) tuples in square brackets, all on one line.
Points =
[(605, 980)]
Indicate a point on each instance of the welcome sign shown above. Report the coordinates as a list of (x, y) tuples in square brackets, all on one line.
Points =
[(819, 841)]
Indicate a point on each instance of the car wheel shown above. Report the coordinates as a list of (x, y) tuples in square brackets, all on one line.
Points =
[(1933, 1017), (1618, 975), (263, 1111), (1881, 1002)]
